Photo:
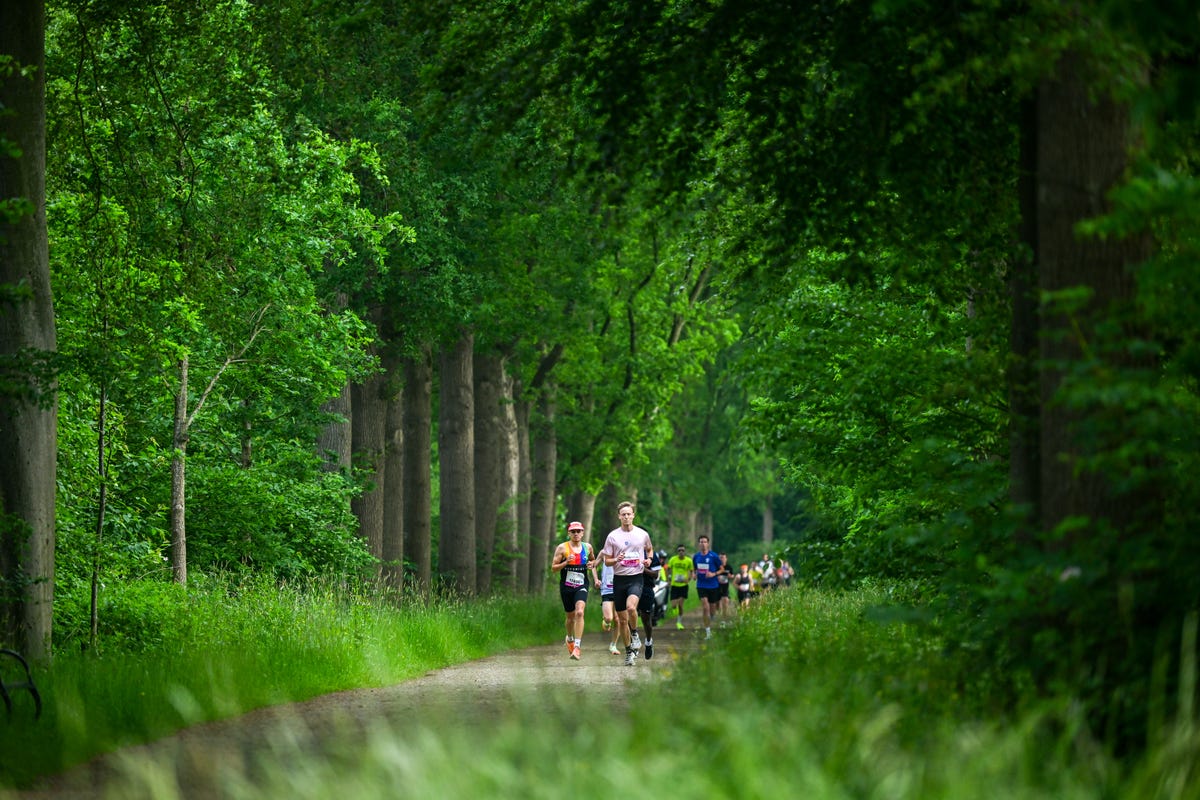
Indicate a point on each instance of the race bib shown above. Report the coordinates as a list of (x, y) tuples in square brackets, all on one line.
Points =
[(574, 579)]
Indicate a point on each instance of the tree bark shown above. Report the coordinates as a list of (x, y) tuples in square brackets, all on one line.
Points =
[(1082, 151), (508, 520), (524, 491), (368, 419), (581, 506), (29, 421), (768, 521), (179, 442), (456, 449), (606, 514), (489, 380), (417, 402), (333, 442), (393, 474), (541, 510), (1024, 457)]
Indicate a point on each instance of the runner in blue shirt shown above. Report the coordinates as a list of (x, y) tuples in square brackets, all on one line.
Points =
[(707, 564)]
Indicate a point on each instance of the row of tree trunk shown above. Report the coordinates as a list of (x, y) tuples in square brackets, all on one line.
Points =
[(497, 494)]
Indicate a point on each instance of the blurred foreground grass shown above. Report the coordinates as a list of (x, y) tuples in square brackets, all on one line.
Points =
[(810, 695)]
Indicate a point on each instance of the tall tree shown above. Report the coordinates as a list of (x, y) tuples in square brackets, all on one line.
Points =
[(456, 457), (28, 407), (489, 454), (393, 471), (369, 405), (417, 414)]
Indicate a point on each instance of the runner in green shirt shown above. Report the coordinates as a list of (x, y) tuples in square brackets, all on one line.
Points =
[(679, 573)]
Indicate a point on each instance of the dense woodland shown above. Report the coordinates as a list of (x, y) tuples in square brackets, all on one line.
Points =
[(390, 290)]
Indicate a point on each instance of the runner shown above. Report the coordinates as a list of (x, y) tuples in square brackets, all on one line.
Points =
[(679, 574), (572, 559), (724, 579), (707, 564), (627, 550), (646, 604), (744, 582), (609, 623)]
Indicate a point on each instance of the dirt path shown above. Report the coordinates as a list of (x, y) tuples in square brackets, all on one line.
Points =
[(465, 694)]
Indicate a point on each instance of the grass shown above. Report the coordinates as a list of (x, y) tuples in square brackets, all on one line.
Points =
[(223, 650), (806, 696)]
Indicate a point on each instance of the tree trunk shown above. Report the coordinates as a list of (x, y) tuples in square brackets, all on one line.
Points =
[(179, 442), (704, 527), (524, 492), (393, 474), (368, 420), (456, 449), (28, 430), (508, 522), (1024, 459), (101, 509), (417, 403), (489, 381), (1110, 613), (1083, 145), (768, 521), (541, 510), (581, 506), (333, 442), (605, 514)]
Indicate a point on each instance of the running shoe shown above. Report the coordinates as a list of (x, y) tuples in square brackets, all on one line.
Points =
[(636, 643), (629, 657), (575, 652), (612, 648), (708, 633), (570, 646), (679, 624), (649, 649)]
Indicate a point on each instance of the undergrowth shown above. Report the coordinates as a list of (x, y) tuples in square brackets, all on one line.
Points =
[(810, 694)]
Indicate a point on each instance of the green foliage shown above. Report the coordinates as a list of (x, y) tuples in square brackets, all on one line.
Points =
[(275, 519), (189, 216), (169, 658), (812, 694)]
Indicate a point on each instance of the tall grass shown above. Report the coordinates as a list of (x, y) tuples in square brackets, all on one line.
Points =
[(811, 694), (223, 649)]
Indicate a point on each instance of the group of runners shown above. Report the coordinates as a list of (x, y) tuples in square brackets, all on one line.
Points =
[(626, 570)]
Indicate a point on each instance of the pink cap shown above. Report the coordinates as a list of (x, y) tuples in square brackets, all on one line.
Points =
[(575, 526)]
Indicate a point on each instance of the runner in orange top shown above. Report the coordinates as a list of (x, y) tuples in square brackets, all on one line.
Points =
[(572, 560)]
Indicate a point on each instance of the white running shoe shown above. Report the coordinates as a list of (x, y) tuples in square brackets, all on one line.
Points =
[(629, 657), (636, 643), (612, 648)]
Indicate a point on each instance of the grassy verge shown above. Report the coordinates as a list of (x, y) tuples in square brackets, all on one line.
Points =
[(219, 651), (805, 697)]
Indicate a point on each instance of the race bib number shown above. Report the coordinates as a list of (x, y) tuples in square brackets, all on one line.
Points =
[(574, 579), (631, 559)]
